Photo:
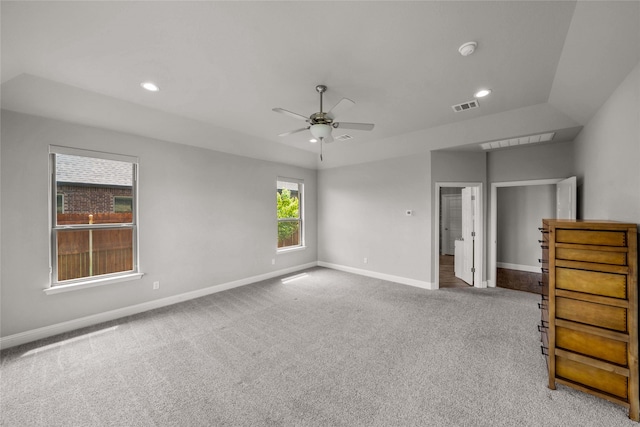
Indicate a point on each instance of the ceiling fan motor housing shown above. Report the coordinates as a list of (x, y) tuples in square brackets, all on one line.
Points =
[(320, 119)]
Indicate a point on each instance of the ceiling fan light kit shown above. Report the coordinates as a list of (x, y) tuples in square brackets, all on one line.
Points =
[(322, 123), (320, 131)]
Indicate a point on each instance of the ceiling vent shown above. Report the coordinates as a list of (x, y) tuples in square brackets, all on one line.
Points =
[(523, 140), (344, 137), (465, 106)]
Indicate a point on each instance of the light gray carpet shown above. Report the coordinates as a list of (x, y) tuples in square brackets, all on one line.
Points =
[(328, 349)]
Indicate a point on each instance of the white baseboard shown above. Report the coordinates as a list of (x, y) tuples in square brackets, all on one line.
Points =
[(382, 276), (519, 267), (59, 328)]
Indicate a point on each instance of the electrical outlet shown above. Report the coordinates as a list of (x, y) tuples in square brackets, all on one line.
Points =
[(156, 285), (365, 260)]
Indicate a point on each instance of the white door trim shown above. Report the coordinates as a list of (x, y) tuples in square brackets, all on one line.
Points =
[(493, 219), (478, 225)]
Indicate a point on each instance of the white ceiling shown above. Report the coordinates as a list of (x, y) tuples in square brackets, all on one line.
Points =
[(222, 67)]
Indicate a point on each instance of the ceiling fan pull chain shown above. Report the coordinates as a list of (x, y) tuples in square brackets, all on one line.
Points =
[(321, 144)]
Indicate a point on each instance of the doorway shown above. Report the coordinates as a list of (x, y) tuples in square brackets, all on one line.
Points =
[(459, 251), (563, 206)]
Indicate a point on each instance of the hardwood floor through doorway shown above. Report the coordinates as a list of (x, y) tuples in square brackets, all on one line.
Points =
[(448, 278)]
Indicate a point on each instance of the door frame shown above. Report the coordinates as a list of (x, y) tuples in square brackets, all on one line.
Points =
[(478, 226), (493, 220)]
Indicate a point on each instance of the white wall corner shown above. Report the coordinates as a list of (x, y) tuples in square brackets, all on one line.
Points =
[(382, 276)]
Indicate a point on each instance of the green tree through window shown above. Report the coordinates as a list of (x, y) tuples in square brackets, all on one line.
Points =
[(289, 207)]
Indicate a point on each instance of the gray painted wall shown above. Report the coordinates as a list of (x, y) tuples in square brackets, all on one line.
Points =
[(520, 213), (361, 211), (532, 162), (206, 218), (608, 156)]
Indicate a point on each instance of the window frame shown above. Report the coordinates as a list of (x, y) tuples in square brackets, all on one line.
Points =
[(56, 286), (300, 218)]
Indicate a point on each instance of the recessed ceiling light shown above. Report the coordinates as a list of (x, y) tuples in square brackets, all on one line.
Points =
[(482, 93), (313, 140), (150, 86)]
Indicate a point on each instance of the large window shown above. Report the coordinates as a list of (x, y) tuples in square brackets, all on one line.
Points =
[(94, 236), (289, 208)]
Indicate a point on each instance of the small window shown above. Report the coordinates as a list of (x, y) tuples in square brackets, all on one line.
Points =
[(123, 204), (60, 203), (93, 228), (289, 212)]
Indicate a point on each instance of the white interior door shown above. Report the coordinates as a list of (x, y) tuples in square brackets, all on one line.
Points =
[(451, 222), (467, 235), (566, 198)]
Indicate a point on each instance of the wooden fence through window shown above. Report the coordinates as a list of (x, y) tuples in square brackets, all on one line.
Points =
[(294, 240), (86, 253)]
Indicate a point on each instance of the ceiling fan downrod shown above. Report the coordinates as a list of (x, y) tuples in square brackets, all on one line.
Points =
[(321, 89)]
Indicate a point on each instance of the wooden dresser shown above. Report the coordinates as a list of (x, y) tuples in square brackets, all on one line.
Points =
[(589, 320)]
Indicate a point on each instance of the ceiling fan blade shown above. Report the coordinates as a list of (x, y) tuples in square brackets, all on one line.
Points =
[(293, 131), (343, 105), (356, 126), (291, 114)]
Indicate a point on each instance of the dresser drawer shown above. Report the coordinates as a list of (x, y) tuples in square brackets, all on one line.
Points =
[(591, 345), (592, 282), (603, 316), (591, 237), (595, 378), (585, 255)]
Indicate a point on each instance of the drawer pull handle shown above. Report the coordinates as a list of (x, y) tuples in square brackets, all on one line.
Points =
[(544, 350), (545, 270), (542, 306), (543, 230), (540, 283), (542, 328)]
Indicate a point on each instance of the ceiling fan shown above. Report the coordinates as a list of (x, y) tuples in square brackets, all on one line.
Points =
[(322, 123)]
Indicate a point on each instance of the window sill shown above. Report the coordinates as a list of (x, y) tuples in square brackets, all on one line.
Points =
[(291, 249), (91, 283)]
